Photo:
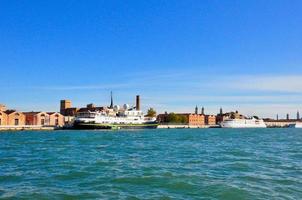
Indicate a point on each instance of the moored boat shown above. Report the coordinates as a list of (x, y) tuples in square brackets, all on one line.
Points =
[(298, 125), (243, 123), (115, 117)]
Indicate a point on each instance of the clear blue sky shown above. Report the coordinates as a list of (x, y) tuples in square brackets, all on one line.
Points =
[(243, 55)]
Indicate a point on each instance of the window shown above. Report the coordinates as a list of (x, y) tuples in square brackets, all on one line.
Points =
[(57, 122), (42, 122), (16, 122)]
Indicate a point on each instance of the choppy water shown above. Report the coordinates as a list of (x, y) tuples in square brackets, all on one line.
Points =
[(152, 164)]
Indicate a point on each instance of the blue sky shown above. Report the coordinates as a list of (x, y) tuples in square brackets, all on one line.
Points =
[(241, 55)]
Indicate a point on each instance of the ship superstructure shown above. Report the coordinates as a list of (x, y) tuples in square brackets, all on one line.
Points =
[(115, 117)]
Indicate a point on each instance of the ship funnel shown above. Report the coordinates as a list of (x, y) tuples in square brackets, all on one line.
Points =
[(138, 103)]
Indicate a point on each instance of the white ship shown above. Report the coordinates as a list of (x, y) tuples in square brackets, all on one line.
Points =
[(115, 117), (298, 125), (243, 123)]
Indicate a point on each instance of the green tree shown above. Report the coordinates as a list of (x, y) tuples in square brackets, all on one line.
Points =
[(151, 112), (177, 119)]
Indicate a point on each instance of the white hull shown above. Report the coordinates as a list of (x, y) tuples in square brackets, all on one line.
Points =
[(298, 125), (243, 123)]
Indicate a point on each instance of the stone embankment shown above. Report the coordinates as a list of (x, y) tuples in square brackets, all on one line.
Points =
[(25, 127), (187, 126)]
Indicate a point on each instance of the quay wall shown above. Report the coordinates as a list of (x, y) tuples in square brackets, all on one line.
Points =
[(186, 126), (25, 127)]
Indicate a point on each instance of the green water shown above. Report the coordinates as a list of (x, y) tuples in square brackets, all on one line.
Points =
[(152, 164)]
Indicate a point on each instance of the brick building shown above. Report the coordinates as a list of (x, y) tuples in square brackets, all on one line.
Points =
[(15, 118), (196, 119), (44, 118), (3, 118), (56, 119), (187, 118), (210, 120), (37, 118)]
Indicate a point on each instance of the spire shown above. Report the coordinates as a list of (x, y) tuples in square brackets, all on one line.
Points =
[(298, 115), (277, 117), (111, 103), (196, 110), (202, 110), (287, 116), (221, 111)]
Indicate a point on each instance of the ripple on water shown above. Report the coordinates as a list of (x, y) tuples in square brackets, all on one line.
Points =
[(152, 164)]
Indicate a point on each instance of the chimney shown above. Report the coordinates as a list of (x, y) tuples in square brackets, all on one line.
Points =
[(138, 103), (111, 102)]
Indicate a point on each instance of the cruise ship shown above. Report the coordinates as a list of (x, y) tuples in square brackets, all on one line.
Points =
[(298, 125), (115, 117), (243, 123)]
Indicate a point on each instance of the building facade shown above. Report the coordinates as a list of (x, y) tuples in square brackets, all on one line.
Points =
[(3, 118), (210, 120), (37, 118), (15, 118), (56, 119), (196, 119), (44, 119)]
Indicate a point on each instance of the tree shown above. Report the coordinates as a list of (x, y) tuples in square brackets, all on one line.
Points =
[(151, 112), (177, 118)]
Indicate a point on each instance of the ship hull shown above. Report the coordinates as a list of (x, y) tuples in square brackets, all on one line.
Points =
[(94, 126), (243, 123)]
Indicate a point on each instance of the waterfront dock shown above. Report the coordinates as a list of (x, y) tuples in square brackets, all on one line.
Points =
[(26, 127), (179, 126)]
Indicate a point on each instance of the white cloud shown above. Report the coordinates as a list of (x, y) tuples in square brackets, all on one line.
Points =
[(286, 83)]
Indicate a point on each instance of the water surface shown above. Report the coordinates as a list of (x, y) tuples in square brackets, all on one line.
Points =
[(152, 164)]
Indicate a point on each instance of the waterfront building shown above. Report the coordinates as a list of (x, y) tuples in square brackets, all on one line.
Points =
[(44, 118), (281, 122), (3, 118), (182, 118), (15, 118), (56, 119), (37, 118), (196, 119), (64, 105), (210, 120), (66, 108)]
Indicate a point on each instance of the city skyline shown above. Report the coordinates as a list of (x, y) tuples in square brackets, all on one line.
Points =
[(237, 55)]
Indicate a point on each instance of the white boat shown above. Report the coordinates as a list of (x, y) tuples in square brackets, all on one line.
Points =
[(114, 119), (243, 123), (298, 125)]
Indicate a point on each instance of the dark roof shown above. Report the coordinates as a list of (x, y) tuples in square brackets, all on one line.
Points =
[(32, 112), (9, 111), (50, 113), (91, 109)]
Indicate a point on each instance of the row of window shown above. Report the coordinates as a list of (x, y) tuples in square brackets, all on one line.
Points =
[(42, 122)]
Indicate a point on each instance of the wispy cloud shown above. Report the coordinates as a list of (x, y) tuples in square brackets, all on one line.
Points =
[(82, 87), (279, 83)]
